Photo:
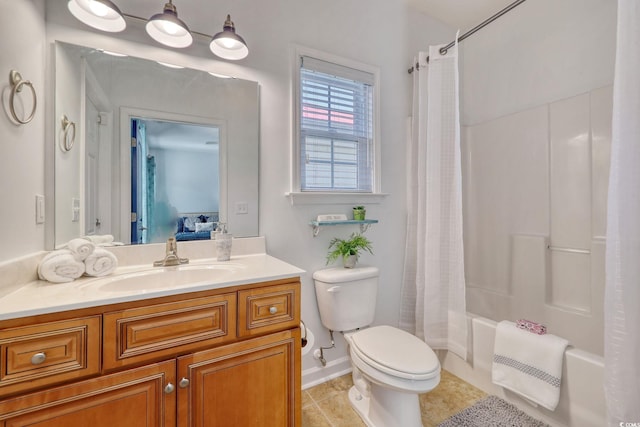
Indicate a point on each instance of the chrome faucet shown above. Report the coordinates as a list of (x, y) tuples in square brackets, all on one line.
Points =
[(171, 256)]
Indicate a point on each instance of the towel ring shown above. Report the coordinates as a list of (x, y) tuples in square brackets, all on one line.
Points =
[(15, 79), (67, 142)]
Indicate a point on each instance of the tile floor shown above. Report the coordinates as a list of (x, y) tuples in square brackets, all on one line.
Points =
[(327, 405)]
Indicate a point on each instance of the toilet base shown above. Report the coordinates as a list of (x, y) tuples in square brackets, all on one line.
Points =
[(386, 407)]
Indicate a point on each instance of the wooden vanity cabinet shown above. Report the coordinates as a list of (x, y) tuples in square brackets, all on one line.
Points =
[(228, 357), (133, 398)]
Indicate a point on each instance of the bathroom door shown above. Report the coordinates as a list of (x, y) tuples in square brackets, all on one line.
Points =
[(139, 217), (92, 171)]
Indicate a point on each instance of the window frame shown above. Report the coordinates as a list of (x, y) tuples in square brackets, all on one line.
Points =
[(296, 146)]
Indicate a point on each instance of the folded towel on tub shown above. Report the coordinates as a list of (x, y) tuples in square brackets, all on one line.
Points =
[(81, 248), (60, 266), (528, 364), (100, 263)]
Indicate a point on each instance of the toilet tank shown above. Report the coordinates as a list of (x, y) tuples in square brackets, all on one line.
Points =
[(346, 297)]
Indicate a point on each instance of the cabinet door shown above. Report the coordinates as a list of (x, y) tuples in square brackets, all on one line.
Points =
[(132, 398), (249, 383)]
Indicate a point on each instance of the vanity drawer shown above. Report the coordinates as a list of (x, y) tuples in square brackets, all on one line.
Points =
[(268, 309), (138, 335), (48, 353)]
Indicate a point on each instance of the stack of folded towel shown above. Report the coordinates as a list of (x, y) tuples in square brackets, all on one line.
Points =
[(78, 257)]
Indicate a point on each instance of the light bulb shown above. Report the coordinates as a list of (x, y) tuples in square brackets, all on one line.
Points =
[(229, 43), (170, 27), (98, 8)]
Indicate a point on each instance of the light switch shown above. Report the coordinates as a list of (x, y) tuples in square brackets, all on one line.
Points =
[(39, 209)]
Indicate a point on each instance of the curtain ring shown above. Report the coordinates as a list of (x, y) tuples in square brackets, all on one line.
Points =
[(67, 143), (15, 79)]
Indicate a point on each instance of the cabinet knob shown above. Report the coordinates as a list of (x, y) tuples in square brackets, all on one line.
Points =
[(273, 310), (169, 388), (38, 358), (184, 383)]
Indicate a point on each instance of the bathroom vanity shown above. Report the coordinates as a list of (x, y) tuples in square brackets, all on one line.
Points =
[(217, 352)]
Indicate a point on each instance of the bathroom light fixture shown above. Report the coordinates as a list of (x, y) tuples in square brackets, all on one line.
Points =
[(100, 14), (166, 28), (227, 44)]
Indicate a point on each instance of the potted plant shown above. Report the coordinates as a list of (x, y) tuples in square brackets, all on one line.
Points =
[(359, 213), (349, 249)]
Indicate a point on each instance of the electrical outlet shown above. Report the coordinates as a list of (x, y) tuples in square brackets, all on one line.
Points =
[(242, 208), (75, 209)]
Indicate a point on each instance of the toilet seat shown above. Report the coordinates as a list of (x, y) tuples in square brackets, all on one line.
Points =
[(396, 353)]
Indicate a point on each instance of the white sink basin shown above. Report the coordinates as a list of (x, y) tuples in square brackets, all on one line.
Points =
[(166, 278)]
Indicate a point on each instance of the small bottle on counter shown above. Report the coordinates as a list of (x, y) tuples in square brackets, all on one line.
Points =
[(223, 241)]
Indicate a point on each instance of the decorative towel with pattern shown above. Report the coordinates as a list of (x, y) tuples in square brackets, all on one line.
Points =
[(528, 364)]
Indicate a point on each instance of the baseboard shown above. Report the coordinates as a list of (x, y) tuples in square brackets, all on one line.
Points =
[(321, 374)]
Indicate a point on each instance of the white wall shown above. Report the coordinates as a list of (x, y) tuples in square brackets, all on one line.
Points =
[(22, 163), (68, 78), (537, 105)]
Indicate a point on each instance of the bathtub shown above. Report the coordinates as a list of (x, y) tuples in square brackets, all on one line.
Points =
[(581, 393)]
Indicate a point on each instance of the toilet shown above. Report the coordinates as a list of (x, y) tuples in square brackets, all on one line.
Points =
[(390, 366)]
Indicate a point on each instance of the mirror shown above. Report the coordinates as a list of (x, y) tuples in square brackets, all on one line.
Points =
[(158, 151)]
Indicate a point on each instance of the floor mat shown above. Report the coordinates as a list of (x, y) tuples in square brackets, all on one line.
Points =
[(492, 412)]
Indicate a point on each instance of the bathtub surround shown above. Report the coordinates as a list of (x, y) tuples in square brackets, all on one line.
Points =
[(433, 302), (622, 293)]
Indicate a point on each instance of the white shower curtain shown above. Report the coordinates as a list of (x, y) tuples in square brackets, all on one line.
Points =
[(433, 301), (622, 291)]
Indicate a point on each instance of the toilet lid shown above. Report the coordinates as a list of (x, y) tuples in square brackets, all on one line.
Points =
[(395, 352)]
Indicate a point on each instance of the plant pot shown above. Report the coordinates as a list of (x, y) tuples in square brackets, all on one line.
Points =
[(349, 261), (359, 214)]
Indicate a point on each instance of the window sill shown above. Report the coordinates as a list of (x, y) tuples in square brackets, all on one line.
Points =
[(328, 198)]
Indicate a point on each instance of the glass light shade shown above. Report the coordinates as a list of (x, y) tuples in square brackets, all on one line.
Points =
[(227, 44), (100, 14), (166, 28)]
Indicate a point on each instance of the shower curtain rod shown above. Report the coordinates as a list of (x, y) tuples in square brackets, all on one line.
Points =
[(483, 24)]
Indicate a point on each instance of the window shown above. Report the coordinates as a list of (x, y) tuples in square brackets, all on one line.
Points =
[(335, 108)]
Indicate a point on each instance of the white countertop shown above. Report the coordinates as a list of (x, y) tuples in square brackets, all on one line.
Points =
[(41, 297)]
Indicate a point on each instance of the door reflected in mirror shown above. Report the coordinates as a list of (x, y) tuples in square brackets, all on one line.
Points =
[(174, 177), (198, 158)]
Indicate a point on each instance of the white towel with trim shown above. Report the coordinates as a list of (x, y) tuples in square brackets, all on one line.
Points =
[(60, 266), (81, 248), (528, 364), (100, 263)]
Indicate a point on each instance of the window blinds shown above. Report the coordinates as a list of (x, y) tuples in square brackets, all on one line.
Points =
[(336, 127)]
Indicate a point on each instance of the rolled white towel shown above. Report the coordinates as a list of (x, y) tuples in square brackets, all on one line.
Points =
[(82, 248), (60, 266), (100, 263)]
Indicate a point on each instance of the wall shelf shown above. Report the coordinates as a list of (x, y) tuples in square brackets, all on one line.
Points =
[(364, 224)]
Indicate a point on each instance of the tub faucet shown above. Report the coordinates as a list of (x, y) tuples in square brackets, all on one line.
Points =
[(171, 256)]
